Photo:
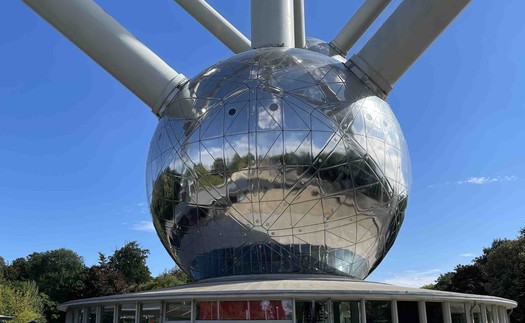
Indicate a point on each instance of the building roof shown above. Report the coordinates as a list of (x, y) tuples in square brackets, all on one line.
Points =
[(288, 286)]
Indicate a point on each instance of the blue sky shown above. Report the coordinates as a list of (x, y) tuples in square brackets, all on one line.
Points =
[(73, 141)]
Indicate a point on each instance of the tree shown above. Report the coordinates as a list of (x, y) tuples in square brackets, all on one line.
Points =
[(168, 278), (505, 271), (23, 301), (130, 261), (58, 273), (3, 267), (499, 271), (103, 280)]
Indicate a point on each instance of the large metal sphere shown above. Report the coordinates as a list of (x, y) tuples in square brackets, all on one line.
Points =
[(278, 161)]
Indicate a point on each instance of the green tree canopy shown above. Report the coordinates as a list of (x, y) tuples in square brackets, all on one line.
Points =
[(130, 261), (499, 271), (23, 301), (103, 280), (58, 273)]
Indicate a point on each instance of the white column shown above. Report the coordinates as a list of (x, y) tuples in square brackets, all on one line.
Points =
[(162, 312), (495, 314), (363, 311), (468, 312), (294, 317), (422, 310), (272, 23), (193, 310), (221, 28), (99, 314), (116, 313), (483, 310), (357, 25), (447, 317), (395, 316), (113, 47), (86, 315), (138, 310), (502, 314)]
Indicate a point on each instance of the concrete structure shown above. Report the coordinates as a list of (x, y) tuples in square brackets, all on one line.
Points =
[(285, 298)]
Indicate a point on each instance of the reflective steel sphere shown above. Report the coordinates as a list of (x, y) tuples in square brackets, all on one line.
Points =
[(278, 161)]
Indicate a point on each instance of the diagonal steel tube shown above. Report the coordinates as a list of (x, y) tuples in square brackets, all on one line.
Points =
[(210, 19), (113, 47), (357, 25), (404, 36)]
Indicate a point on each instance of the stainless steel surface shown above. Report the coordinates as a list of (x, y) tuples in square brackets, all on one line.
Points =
[(278, 161)]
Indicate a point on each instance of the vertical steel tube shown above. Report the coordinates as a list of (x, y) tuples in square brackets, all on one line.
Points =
[(357, 25), (216, 24), (272, 23), (113, 47), (298, 16)]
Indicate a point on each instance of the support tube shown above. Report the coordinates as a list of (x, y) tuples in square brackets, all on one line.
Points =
[(298, 16), (216, 24), (406, 34), (272, 23), (357, 25), (114, 48)]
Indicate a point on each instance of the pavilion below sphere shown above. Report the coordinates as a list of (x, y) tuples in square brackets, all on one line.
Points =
[(278, 161)]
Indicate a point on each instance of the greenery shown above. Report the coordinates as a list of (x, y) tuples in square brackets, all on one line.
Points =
[(499, 271), (32, 287), (23, 301)]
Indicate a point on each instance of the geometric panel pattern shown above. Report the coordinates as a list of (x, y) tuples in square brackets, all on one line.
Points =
[(277, 161)]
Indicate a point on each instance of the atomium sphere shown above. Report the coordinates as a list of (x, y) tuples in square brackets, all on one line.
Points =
[(278, 161)]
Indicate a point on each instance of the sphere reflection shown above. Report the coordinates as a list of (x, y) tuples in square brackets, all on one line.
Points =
[(277, 161)]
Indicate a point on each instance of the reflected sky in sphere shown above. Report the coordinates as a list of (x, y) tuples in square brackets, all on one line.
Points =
[(278, 161)]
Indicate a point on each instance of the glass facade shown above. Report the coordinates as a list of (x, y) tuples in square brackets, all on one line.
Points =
[(262, 310), (92, 315), (108, 312), (458, 313), (127, 313), (150, 312), (277, 161), (434, 312), (408, 312), (283, 310), (347, 312), (312, 312), (178, 311), (378, 312)]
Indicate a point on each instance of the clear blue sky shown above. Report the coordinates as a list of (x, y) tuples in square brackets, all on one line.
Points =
[(73, 141)]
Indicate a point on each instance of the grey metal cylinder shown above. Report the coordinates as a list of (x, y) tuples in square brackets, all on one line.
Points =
[(113, 47), (216, 24), (272, 23)]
